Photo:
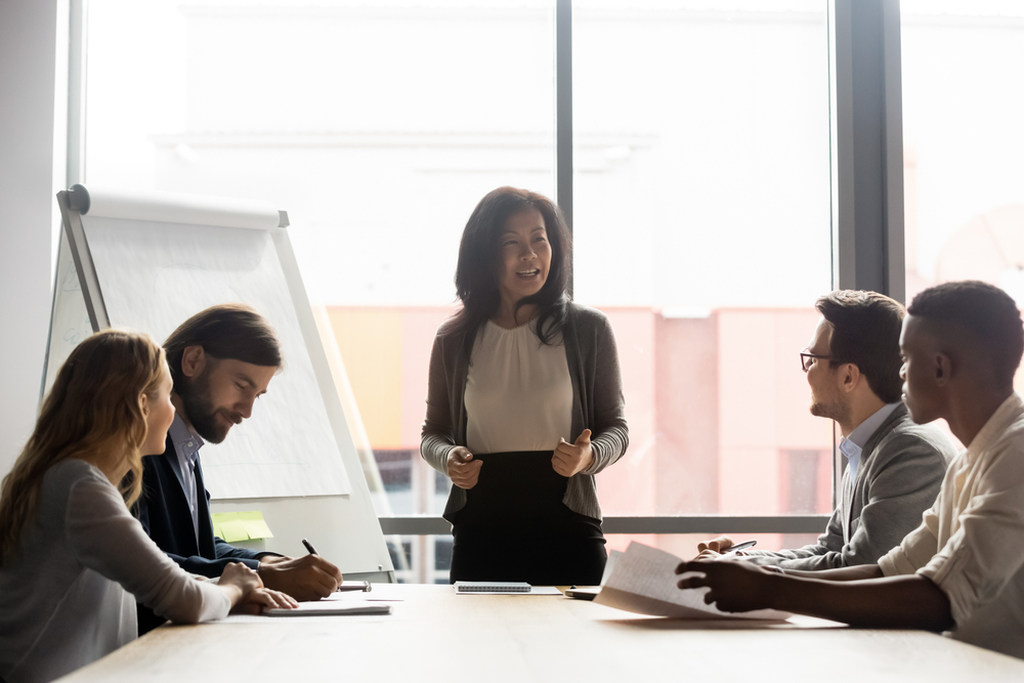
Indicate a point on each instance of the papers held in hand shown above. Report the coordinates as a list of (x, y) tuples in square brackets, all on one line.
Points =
[(643, 580), (330, 606)]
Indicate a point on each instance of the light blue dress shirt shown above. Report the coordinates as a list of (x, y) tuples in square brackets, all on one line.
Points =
[(853, 445)]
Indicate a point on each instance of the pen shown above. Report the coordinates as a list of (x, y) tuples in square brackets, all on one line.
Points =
[(351, 586), (739, 546)]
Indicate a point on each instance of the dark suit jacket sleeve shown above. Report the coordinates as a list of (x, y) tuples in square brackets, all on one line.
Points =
[(164, 514), (223, 551)]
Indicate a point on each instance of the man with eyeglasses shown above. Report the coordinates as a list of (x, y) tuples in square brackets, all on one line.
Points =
[(894, 467), (961, 571)]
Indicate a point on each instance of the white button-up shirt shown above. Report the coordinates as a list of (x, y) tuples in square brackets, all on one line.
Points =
[(971, 542), (186, 445)]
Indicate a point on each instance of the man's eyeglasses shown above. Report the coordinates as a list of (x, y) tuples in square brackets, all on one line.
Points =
[(808, 359)]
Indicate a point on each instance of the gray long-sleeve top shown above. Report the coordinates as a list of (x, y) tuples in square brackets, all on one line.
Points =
[(597, 403), (66, 593)]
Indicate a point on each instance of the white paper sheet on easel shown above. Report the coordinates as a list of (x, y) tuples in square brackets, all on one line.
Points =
[(291, 450), (643, 580)]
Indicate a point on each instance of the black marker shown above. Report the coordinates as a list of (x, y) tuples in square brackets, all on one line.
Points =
[(309, 547)]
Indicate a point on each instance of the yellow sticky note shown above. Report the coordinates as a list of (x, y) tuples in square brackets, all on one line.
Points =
[(240, 526)]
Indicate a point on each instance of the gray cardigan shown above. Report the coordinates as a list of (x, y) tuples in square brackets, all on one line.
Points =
[(900, 472), (597, 403)]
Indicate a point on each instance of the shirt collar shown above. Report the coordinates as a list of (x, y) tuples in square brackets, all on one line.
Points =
[(852, 446), (1008, 411), (865, 429), (850, 449), (186, 442)]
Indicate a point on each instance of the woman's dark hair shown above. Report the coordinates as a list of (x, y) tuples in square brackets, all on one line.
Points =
[(476, 275)]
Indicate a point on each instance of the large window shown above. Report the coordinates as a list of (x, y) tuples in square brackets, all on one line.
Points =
[(702, 226), (702, 219), (963, 143)]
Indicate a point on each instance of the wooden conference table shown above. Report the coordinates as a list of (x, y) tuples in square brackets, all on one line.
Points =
[(434, 635)]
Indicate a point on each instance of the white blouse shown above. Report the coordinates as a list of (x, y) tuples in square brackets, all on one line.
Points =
[(518, 391)]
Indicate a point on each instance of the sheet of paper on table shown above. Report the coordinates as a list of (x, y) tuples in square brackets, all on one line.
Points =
[(643, 580), (336, 604)]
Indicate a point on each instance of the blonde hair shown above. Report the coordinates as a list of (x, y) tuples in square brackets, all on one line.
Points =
[(94, 407)]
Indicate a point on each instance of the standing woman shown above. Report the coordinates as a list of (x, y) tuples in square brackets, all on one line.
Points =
[(71, 554), (524, 404)]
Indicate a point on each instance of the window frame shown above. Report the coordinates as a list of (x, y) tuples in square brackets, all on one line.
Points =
[(867, 231), (867, 211)]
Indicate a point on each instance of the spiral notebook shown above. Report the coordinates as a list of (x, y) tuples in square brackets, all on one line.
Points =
[(492, 587)]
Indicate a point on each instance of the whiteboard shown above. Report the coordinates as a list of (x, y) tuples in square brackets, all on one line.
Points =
[(149, 262)]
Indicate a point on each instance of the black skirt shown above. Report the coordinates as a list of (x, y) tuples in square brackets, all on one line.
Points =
[(514, 527)]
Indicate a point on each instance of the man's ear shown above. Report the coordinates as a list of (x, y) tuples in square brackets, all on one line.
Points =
[(193, 360), (943, 368), (849, 376)]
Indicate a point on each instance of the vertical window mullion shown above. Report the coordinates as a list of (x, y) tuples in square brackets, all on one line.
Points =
[(867, 153), (563, 113), (867, 144)]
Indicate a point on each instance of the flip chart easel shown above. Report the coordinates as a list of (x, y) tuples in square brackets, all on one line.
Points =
[(148, 262)]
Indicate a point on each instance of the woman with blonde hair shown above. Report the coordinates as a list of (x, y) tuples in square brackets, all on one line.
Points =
[(73, 560)]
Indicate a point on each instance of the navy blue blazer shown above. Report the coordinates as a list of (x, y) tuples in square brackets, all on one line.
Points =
[(163, 510)]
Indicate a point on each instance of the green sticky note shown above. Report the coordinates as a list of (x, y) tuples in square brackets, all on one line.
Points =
[(232, 531), (255, 525), (240, 526)]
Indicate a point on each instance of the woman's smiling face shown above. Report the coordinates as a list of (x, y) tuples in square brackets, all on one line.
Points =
[(525, 256)]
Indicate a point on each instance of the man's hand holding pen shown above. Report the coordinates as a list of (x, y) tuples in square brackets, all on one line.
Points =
[(310, 577)]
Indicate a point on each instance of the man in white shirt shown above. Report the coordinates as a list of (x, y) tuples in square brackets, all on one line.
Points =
[(894, 467), (962, 569)]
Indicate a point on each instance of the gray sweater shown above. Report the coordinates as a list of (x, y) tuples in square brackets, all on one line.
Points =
[(597, 403), (66, 593), (900, 472)]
